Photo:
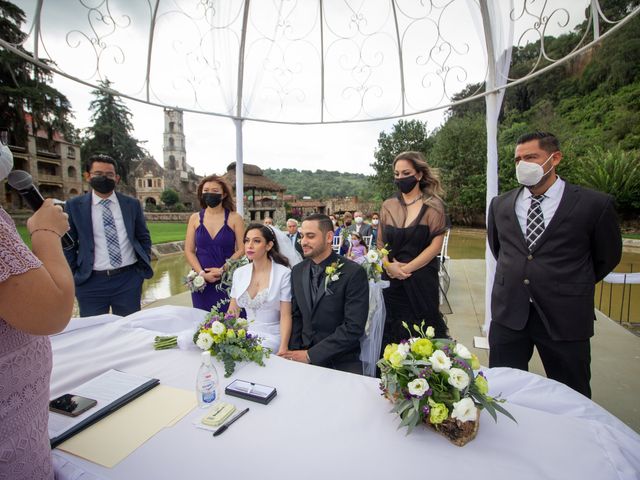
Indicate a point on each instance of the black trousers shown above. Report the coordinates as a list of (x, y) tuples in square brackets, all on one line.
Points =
[(568, 362)]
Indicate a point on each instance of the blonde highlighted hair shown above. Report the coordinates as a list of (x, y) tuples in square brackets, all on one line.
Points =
[(430, 182)]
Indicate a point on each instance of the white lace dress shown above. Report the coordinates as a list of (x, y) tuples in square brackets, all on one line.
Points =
[(263, 311)]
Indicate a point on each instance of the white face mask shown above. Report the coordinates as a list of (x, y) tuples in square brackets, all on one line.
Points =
[(375, 221), (530, 173), (6, 161), (358, 220)]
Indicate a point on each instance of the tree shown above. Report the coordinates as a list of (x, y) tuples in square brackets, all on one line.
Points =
[(460, 154), (25, 89), (170, 197), (111, 131), (406, 135)]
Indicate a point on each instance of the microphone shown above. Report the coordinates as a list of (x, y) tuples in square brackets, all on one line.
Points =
[(22, 182)]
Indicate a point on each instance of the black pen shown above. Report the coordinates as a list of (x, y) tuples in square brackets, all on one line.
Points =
[(228, 424)]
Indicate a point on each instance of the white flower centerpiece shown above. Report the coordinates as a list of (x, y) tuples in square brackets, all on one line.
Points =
[(437, 382)]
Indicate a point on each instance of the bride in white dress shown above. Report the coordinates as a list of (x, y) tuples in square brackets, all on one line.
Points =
[(263, 287)]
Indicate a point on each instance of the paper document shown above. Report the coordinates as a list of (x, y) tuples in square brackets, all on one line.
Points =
[(106, 389), (112, 439)]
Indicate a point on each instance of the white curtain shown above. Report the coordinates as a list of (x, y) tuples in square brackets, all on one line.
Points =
[(498, 41)]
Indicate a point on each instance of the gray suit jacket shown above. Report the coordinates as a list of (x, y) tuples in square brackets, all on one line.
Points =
[(81, 256), (578, 248)]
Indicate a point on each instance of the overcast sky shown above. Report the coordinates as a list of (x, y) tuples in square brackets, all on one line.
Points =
[(191, 67)]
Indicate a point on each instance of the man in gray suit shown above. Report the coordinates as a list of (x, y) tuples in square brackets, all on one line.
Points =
[(553, 241)]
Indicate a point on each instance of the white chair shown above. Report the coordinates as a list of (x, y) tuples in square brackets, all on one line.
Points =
[(443, 273), (367, 239), (336, 243)]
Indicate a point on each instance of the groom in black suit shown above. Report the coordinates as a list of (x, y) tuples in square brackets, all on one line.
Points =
[(553, 242), (329, 311)]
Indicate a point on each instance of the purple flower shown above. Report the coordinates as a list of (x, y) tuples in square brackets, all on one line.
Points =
[(461, 362), (426, 410), (229, 316)]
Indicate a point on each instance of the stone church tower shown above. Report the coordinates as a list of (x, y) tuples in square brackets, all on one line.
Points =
[(178, 174)]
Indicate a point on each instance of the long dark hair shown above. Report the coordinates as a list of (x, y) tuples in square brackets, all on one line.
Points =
[(227, 202), (266, 232)]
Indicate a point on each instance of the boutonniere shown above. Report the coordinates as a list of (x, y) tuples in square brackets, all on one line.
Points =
[(332, 273)]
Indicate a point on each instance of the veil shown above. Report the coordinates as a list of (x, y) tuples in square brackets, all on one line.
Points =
[(285, 247)]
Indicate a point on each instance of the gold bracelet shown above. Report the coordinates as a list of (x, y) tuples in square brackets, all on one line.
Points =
[(44, 230)]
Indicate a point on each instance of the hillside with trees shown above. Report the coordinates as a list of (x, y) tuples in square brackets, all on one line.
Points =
[(321, 184), (591, 103)]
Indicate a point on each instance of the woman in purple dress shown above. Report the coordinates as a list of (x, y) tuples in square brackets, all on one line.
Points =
[(214, 235), (25, 351)]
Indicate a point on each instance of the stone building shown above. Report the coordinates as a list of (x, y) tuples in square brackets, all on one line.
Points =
[(149, 182), (177, 173), (262, 196), (53, 163)]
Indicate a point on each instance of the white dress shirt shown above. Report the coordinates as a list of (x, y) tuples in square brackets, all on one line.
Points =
[(101, 254), (549, 205)]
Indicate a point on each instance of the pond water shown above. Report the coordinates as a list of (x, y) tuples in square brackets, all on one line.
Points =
[(463, 243)]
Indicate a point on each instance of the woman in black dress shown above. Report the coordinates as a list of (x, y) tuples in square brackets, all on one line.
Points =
[(412, 226)]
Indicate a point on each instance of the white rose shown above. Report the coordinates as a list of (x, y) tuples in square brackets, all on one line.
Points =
[(192, 274), (458, 378), (334, 278), (404, 348), (204, 341), (217, 328), (464, 410), (439, 361), (430, 332), (372, 256), (198, 281), (462, 351), (418, 387)]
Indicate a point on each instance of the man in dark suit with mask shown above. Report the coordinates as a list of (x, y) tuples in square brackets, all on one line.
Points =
[(330, 302), (111, 253), (553, 241)]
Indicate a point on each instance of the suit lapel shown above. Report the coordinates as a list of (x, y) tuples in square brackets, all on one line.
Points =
[(567, 202), (127, 217), (86, 218), (306, 288), (514, 218)]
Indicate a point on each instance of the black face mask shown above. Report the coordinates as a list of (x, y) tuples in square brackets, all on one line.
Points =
[(347, 222), (406, 184), (102, 184), (212, 199)]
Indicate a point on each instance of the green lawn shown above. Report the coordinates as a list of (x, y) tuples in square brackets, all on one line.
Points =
[(161, 232)]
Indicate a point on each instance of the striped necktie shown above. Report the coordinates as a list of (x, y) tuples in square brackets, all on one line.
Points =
[(111, 234), (535, 221)]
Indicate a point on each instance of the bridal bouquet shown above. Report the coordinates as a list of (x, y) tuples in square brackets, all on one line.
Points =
[(194, 282), (230, 266), (373, 263), (225, 336), (436, 382)]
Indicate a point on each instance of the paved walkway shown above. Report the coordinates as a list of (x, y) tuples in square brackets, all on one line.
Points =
[(615, 352)]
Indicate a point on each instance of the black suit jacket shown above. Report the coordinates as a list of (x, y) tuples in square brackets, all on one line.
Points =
[(578, 248), (331, 329), (81, 256)]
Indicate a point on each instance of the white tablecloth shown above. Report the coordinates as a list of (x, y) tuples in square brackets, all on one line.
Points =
[(332, 425)]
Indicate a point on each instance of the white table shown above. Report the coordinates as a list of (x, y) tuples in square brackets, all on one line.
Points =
[(331, 425)]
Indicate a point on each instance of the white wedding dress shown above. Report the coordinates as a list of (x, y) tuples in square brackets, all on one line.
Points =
[(263, 310)]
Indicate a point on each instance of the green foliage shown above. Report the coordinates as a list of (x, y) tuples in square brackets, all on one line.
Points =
[(110, 132), (460, 153), (170, 197), (321, 184), (615, 172), (25, 88), (406, 135)]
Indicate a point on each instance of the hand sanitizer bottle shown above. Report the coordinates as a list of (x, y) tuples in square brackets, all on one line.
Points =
[(207, 382)]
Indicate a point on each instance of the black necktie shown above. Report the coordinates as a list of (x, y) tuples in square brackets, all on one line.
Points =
[(316, 274), (535, 220)]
